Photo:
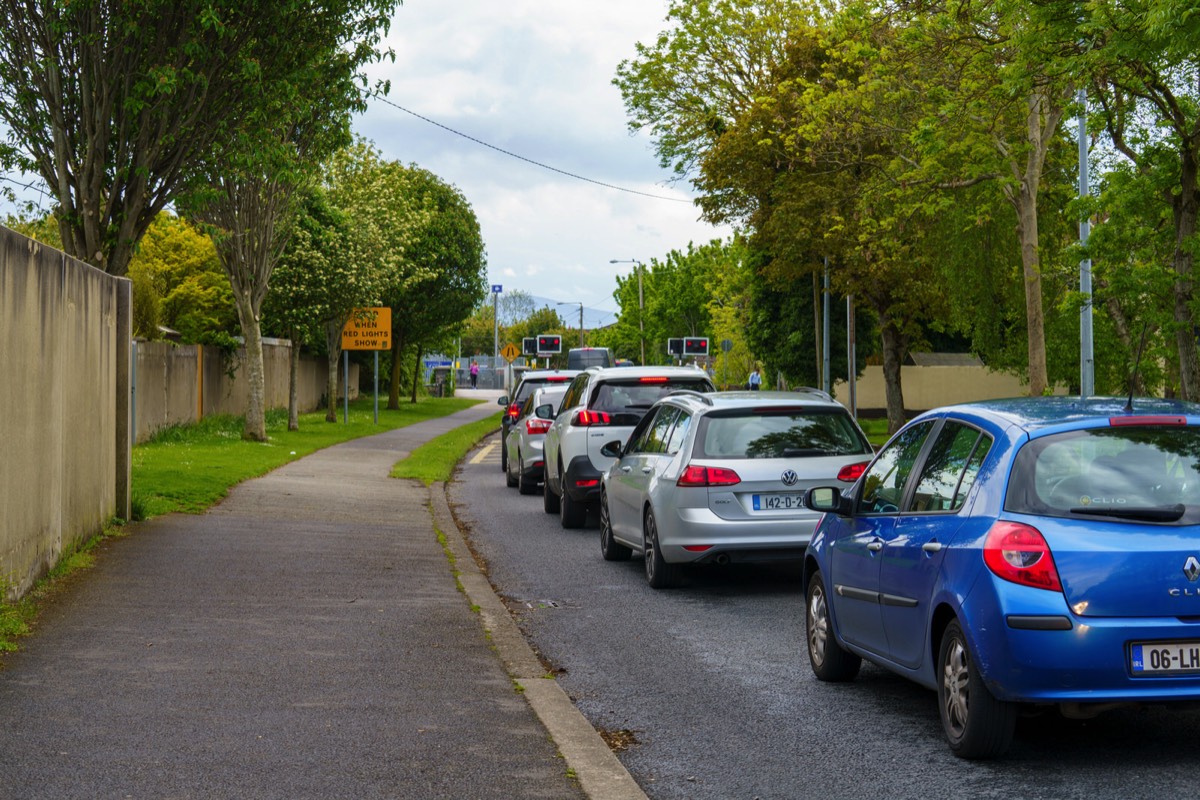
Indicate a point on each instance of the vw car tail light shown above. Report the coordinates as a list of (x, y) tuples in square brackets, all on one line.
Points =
[(536, 425), (707, 476)]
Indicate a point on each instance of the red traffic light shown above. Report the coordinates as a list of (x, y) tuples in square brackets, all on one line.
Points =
[(695, 346)]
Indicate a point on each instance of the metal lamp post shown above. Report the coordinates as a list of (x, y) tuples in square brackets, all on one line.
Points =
[(570, 303), (641, 301)]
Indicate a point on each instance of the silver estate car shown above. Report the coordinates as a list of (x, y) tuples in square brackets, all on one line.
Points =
[(525, 468), (719, 477)]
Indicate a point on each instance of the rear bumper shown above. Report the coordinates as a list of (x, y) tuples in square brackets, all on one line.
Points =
[(747, 541), (1087, 663), (581, 480)]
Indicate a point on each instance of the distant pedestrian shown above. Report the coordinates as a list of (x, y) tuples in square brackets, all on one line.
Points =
[(754, 382), (474, 374)]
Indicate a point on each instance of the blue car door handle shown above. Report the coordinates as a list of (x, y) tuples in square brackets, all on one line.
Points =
[(932, 547), (875, 545)]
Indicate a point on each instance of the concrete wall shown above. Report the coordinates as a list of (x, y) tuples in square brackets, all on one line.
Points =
[(929, 387), (178, 384), (64, 331)]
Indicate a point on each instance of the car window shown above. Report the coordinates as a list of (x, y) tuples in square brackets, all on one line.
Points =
[(641, 433), (574, 393), (788, 433), (884, 481), (1151, 470), (679, 432), (626, 401), (549, 397), (950, 468), (656, 439)]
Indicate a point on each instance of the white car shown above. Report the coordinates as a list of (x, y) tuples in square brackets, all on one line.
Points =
[(525, 468), (601, 404)]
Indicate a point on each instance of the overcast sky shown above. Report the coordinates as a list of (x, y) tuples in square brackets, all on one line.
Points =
[(534, 77)]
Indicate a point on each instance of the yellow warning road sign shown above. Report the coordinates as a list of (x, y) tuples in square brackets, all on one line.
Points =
[(368, 329), (510, 352)]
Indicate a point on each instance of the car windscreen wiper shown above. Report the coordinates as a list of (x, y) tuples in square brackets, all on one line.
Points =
[(1147, 513)]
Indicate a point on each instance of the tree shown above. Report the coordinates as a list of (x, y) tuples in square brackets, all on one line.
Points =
[(1141, 56), (315, 286), (112, 104), (448, 246), (178, 283)]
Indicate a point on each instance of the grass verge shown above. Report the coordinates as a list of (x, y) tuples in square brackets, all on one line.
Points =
[(876, 430), (188, 468), (435, 460)]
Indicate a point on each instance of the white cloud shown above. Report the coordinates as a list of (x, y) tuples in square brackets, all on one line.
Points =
[(535, 78)]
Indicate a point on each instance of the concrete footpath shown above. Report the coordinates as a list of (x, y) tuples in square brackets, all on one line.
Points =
[(309, 637)]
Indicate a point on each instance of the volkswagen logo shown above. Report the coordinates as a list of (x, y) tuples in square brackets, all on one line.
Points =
[(789, 478), (1191, 568)]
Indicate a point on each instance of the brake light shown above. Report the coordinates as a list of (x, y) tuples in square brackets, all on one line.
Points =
[(707, 476), (587, 483), (514, 410), (697, 548), (587, 418), (1018, 553), (536, 425), (852, 472), (654, 379), (1151, 420)]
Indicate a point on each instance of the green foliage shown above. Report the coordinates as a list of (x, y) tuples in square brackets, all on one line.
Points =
[(178, 283)]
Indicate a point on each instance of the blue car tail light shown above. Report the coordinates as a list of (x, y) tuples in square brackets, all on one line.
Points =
[(1017, 552)]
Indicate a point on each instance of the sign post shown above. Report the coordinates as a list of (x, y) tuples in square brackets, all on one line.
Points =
[(367, 329)]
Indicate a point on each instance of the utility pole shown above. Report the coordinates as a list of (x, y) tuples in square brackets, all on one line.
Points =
[(641, 268), (1087, 366)]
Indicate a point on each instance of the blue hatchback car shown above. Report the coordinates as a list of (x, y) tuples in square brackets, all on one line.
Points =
[(1034, 552)]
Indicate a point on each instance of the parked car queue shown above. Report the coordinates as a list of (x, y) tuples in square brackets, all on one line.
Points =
[(1036, 555)]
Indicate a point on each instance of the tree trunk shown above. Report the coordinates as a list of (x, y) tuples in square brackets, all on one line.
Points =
[(394, 383), (894, 345), (416, 371), (293, 393), (1185, 209), (1044, 113), (255, 428), (333, 342), (1035, 321)]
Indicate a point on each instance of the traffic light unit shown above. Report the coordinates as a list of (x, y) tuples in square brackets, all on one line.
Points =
[(675, 347), (695, 346), (549, 344), (529, 346)]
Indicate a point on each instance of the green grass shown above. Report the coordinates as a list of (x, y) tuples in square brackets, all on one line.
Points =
[(189, 467), (876, 430), (435, 460)]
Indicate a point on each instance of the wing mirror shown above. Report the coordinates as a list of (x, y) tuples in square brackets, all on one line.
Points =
[(612, 449), (828, 500), (502, 400), (544, 412)]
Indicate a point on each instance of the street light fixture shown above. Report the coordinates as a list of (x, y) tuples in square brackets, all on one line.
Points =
[(571, 303), (641, 301)]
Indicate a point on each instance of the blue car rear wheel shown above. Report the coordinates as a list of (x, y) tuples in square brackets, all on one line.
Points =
[(977, 725)]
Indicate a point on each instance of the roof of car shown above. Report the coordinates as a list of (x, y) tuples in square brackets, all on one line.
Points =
[(542, 374), (626, 373), (1032, 413), (747, 399)]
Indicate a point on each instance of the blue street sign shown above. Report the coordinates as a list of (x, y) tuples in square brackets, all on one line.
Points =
[(497, 288)]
